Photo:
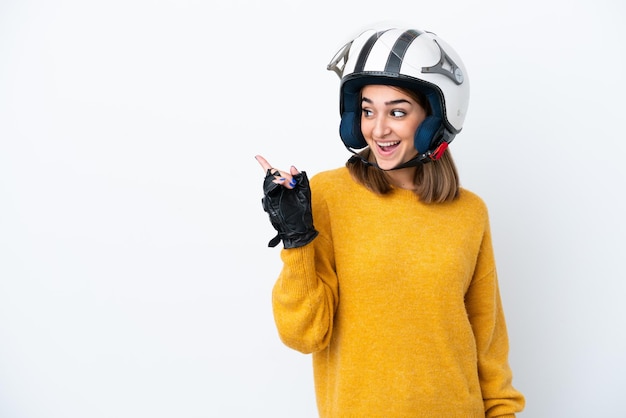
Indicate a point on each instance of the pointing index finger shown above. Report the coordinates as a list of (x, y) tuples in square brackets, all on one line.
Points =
[(266, 166)]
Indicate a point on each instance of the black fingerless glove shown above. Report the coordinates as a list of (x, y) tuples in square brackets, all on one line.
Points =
[(289, 211)]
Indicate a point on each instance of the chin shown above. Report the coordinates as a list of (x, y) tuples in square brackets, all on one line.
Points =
[(387, 165)]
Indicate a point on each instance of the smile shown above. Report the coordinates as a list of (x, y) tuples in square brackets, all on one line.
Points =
[(387, 146)]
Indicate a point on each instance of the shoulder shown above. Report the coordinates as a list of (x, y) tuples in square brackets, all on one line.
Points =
[(471, 204), (468, 197), (330, 188), (338, 178)]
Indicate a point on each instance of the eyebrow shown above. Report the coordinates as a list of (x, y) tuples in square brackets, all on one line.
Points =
[(391, 102)]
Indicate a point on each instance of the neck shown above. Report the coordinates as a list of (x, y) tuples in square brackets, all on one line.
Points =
[(403, 178)]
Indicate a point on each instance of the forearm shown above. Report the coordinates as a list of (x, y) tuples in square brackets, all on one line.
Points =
[(303, 300), (486, 315)]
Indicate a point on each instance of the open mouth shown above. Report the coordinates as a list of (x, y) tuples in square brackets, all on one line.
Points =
[(388, 146)]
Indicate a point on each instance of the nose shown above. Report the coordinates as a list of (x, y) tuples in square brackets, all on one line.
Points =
[(380, 127)]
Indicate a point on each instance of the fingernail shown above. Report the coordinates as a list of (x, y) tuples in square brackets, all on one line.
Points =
[(293, 182)]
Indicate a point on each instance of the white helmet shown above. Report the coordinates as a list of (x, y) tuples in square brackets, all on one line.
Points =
[(409, 58)]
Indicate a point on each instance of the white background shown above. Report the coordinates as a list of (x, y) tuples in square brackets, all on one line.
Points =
[(135, 276)]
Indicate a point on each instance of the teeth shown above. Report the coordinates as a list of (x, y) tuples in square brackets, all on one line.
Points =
[(387, 144)]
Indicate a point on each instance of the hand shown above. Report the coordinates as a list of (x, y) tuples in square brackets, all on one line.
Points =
[(283, 178), (287, 201)]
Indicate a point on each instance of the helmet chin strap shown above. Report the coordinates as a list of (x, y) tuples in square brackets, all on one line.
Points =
[(413, 162), (419, 159)]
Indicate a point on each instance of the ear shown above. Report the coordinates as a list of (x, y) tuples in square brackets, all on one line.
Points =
[(426, 133), (350, 131)]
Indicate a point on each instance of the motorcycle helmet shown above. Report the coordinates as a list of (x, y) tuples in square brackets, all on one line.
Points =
[(408, 58)]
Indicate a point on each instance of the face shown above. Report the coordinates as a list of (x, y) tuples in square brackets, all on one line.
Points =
[(389, 119)]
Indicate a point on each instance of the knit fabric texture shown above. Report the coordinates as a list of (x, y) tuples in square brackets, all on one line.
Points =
[(398, 302)]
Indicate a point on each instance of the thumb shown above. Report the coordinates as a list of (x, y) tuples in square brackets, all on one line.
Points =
[(293, 170)]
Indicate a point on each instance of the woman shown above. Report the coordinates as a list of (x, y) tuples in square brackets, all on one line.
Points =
[(388, 275)]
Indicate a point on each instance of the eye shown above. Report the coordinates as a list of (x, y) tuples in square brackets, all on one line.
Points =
[(397, 113), (366, 112)]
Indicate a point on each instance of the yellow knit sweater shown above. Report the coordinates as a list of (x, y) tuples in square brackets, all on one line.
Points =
[(398, 301)]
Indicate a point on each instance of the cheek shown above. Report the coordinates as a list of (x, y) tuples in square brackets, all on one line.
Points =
[(366, 126), (410, 129), (407, 132)]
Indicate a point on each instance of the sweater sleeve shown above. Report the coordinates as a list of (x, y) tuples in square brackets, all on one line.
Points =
[(305, 296), (484, 308)]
